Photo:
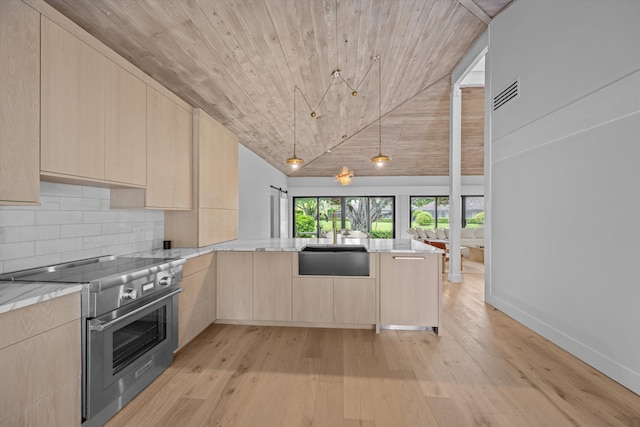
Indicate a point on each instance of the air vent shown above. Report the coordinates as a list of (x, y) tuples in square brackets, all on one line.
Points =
[(506, 95)]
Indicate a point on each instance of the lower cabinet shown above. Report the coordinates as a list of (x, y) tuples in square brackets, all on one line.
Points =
[(410, 289), (334, 300), (313, 299), (272, 280), (40, 354), (235, 282), (197, 303)]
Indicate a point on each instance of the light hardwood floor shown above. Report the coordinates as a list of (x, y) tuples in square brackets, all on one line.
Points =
[(486, 370)]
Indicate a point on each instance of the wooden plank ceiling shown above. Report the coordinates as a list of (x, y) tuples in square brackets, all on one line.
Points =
[(239, 60)]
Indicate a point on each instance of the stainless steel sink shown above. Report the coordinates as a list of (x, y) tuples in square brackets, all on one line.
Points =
[(334, 260)]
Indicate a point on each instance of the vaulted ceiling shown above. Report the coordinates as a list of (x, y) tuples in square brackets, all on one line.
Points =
[(240, 60)]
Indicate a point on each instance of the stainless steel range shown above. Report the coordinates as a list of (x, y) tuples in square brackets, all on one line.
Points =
[(130, 324)]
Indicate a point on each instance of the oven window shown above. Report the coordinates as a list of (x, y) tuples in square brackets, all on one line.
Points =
[(136, 338)]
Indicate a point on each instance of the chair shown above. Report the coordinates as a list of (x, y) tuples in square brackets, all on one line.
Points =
[(445, 254)]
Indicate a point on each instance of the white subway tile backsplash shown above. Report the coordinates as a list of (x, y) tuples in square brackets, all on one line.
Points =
[(117, 249), (99, 241), (27, 233), (45, 247), (80, 204), (55, 189), (82, 254), (30, 262), (73, 222), (17, 250), (100, 217), (96, 193), (117, 228), (80, 230), (58, 217), (10, 217)]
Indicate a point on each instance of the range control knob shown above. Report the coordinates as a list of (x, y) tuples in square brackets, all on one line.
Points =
[(165, 281), (130, 293)]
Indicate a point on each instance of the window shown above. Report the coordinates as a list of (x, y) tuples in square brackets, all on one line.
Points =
[(472, 211), (429, 212), (372, 215)]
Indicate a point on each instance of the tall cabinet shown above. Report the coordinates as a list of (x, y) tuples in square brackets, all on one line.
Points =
[(19, 103), (214, 218)]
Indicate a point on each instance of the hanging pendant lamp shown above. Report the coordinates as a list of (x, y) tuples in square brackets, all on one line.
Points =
[(380, 159), (294, 161)]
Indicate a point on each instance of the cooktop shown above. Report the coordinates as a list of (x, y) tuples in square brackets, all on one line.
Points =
[(86, 270)]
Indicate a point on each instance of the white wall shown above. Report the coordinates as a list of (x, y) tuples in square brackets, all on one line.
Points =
[(73, 222), (255, 177), (399, 186), (564, 177)]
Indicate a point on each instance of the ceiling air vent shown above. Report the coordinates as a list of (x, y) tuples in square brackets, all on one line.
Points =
[(506, 95)]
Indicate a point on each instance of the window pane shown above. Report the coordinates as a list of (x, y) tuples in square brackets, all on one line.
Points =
[(381, 217), (326, 207), (423, 212), (356, 215), (474, 211), (306, 217), (442, 208)]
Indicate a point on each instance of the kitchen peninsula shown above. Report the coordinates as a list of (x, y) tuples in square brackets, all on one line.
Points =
[(258, 282)]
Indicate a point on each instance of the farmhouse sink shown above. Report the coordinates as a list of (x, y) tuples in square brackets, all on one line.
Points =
[(334, 260)]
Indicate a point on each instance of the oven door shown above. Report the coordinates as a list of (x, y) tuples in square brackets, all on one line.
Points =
[(126, 350)]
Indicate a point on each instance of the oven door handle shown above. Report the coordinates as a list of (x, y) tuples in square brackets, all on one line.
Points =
[(99, 325)]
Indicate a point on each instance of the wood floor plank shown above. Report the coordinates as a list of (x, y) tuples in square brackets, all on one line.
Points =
[(486, 370)]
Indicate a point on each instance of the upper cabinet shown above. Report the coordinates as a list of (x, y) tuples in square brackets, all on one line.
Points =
[(73, 105), (19, 103), (93, 114), (214, 218), (125, 156), (169, 151)]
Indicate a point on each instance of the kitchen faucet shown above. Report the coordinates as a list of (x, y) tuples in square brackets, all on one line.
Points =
[(335, 230)]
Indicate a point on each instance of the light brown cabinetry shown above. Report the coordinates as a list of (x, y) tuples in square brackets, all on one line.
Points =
[(354, 301), (73, 105), (41, 364), (168, 154), (234, 285), (19, 103), (93, 114), (197, 303), (313, 299), (410, 289), (272, 285), (214, 218), (125, 158)]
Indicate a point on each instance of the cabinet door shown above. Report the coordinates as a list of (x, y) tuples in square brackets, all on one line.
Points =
[(272, 279), (19, 103), (73, 105), (235, 278), (169, 151), (125, 127), (313, 299), (354, 300), (409, 289), (218, 157)]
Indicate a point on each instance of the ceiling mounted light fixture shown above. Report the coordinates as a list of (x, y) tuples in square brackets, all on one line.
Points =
[(294, 161), (345, 176), (380, 159)]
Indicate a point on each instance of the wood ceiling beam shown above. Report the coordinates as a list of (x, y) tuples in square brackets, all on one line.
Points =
[(472, 7)]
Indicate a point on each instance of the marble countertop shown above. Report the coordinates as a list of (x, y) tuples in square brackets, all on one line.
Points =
[(15, 295), (293, 245)]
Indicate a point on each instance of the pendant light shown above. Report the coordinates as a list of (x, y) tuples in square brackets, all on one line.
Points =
[(345, 176), (294, 161), (380, 159)]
